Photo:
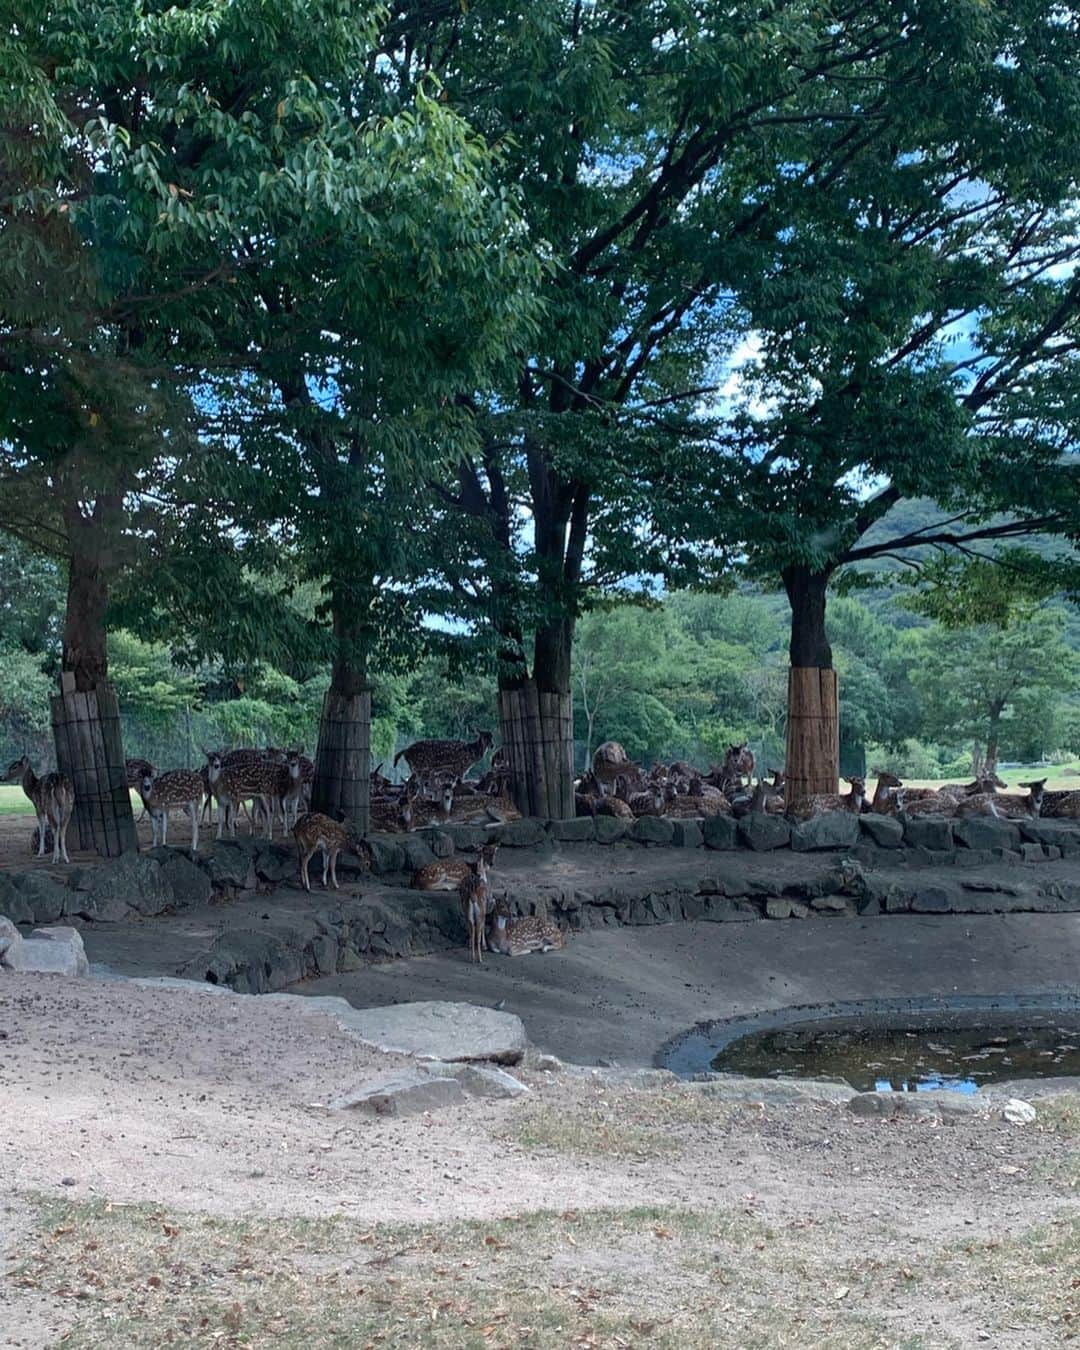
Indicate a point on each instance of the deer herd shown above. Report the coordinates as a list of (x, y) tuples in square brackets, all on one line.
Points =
[(266, 783)]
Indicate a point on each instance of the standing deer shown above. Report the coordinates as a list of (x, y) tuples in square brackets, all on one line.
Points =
[(445, 759), (316, 831), (475, 898), (180, 790), (53, 799)]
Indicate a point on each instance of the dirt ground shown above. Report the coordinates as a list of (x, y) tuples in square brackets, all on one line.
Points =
[(170, 1173)]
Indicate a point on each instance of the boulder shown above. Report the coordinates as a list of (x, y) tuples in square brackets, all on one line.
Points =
[(763, 833), (485, 1080), (1059, 833), (276, 862), (609, 829), (387, 855), (1018, 1112), (324, 954), (190, 884), (581, 830), (440, 843), (523, 833), (129, 882), (248, 961), (931, 900), (832, 829), (885, 831), (438, 1030), (651, 830), (985, 832), (50, 951), (832, 904), (415, 853), (466, 837), (929, 832), (686, 834), (33, 897), (720, 832), (231, 862), (11, 941), (407, 1094)]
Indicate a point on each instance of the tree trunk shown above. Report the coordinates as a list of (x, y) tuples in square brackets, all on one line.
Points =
[(537, 728), (992, 737), (85, 718), (813, 722), (342, 786)]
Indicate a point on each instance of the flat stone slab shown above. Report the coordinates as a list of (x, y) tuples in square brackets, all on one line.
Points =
[(406, 1094), (49, 951), (449, 1031), (778, 1091)]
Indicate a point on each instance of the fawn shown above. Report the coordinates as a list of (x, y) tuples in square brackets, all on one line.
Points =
[(475, 898), (447, 874), (53, 799), (315, 831), (518, 937)]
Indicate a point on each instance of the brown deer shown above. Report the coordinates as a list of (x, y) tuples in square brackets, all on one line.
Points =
[(885, 802), (738, 765), (820, 802), (447, 874), (53, 799), (315, 831), (475, 899), (445, 759), (1006, 806), (437, 812), (241, 781), (1061, 805), (289, 794), (610, 762), (182, 789), (528, 933)]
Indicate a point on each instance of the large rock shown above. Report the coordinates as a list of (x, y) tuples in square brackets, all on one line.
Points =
[(610, 829), (450, 1031), (929, 832), (250, 962), (1060, 833), (415, 852), (832, 829), (33, 897), (885, 831), (231, 862), (190, 884), (50, 951), (763, 833), (720, 832), (387, 855), (276, 862), (985, 832), (521, 833), (485, 1080), (467, 837), (130, 882), (11, 941), (406, 1094), (687, 834), (652, 830), (581, 830)]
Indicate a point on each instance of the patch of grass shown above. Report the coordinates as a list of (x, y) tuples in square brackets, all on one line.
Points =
[(142, 1278), (624, 1124), (13, 801), (1060, 1114)]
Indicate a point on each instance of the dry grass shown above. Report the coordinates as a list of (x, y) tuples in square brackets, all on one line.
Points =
[(1061, 1116), (143, 1278), (624, 1124)]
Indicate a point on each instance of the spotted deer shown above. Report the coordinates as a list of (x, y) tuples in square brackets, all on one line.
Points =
[(1006, 806), (289, 790), (609, 763), (180, 790), (820, 802), (314, 831), (1061, 805), (885, 799), (475, 899), (445, 759), (738, 764), (528, 933), (447, 874), (53, 799), (437, 812), (242, 781)]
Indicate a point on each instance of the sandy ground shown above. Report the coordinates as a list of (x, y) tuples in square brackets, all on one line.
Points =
[(215, 1104)]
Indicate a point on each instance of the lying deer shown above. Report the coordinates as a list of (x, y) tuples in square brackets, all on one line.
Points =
[(519, 936), (885, 802), (53, 799), (447, 874), (820, 802), (1005, 806)]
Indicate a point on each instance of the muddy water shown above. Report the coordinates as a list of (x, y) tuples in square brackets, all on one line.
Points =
[(906, 1051)]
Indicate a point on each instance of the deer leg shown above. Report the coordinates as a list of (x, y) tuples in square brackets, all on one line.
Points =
[(305, 858), (333, 869), (325, 865), (54, 825), (165, 826), (193, 811), (42, 822), (65, 820), (220, 815)]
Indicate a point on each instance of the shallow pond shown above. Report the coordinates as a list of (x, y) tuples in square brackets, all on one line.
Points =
[(904, 1049)]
